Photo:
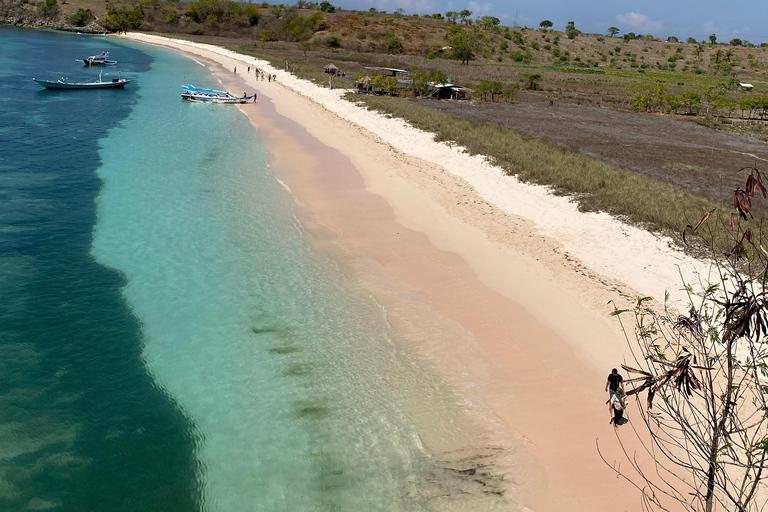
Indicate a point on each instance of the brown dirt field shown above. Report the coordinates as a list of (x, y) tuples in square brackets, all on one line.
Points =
[(681, 153)]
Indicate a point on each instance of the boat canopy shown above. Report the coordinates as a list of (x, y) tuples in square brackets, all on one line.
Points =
[(192, 88)]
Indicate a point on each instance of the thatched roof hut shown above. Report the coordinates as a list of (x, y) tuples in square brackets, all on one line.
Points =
[(331, 68)]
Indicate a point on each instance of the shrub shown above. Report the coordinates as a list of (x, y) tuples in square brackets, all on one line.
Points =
[(394, 44), (532, 80), (326, 6), (266, 36), (252, 15), (333, 42), (49, 9), (222, 10), (173, 18), (81, 17)]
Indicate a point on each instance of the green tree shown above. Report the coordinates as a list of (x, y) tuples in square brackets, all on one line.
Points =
[(614, 31), (252, 15), (571, 31), (394, 44), (546, 24), (691, 40), (464, 14), (325, 6), (690, 101), (713, 39), (49, 9), (674, 103), (304, 48), (532, 80), (488, 21), (736, 42), (81, 17), (452, 16), (647, 96), (464, 44)]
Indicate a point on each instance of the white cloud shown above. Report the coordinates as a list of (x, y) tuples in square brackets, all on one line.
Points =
[(639, 21), (479, 9)]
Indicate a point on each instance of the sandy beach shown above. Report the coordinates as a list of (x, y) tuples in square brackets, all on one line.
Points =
[(501, 288)]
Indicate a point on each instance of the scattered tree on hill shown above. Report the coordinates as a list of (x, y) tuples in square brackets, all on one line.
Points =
[(325, 6), (465, 44), (691, 40), (546, 24), (452, 16), (614, 31), (304, 48), (646, 96), (81, 17), (488, 21), (487, 88), (690, 100), (713, 39), (736, 42), (703, 372), (123, 19), (48, 9), (464, 15), (532, 80), (571, 31), (252, 15), (672, 39), (394, 44)]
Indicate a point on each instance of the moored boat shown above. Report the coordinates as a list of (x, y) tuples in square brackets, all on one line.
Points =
[(192, 93), (101, 59), (62, 83)]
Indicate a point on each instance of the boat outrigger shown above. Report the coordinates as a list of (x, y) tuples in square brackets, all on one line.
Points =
[(61, 83), (192, 93), (101, 59)]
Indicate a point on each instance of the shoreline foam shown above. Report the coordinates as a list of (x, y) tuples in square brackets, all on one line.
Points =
[(543, 360)]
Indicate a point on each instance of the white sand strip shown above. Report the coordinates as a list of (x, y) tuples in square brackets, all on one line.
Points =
[(646, 262)]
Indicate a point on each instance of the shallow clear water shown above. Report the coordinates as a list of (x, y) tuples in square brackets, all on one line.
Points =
[(168, 339)]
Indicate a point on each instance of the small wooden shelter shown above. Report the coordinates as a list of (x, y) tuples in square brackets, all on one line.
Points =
[(449, 92), (331, 68)]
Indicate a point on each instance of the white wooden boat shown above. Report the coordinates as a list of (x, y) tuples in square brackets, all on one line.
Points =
[(101, 59), (62, 83), (192, 93)]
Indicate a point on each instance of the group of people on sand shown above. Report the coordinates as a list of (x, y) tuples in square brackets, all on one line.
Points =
[(261, 75), (617, 398)]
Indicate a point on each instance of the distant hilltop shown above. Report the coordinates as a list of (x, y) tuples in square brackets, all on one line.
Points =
[(461, 35)]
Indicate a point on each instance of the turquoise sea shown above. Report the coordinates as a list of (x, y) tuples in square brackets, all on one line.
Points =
[(169, 341)]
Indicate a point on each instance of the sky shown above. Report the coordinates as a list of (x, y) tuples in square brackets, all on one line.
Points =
[(743, 19)]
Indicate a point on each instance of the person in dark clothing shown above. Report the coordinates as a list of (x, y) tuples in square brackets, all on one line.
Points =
[(614, 382)]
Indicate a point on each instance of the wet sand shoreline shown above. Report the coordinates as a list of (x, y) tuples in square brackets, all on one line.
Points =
[(496, 295)]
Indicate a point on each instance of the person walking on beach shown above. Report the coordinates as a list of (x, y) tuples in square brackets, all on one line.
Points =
[(254, 96), (616, 405), (249, 70), (614, 382), (235, 70)]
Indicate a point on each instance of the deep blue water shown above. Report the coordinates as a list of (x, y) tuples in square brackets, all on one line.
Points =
[(71, 374)]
